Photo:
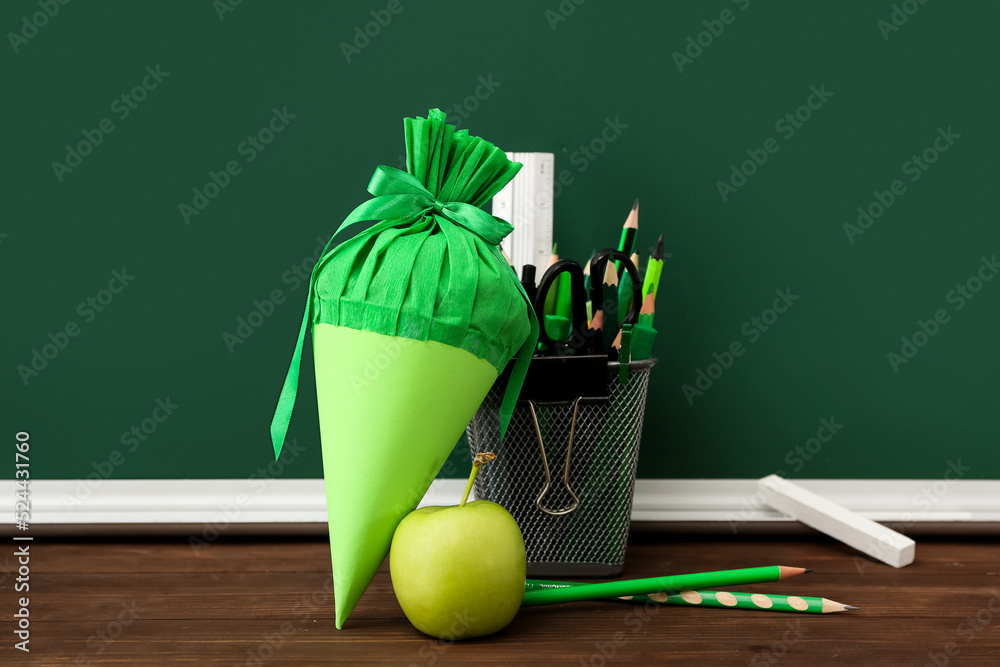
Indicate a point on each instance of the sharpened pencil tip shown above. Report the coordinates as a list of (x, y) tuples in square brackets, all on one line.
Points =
[(632, 221), (657, 252), (808, 570), (610, 275), (851, 607)]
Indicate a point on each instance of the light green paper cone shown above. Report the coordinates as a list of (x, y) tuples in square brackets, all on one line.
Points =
[(390, 412), (413, 318)]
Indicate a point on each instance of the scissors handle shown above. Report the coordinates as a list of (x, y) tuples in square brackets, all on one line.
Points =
[(597, 268), (578, 341)]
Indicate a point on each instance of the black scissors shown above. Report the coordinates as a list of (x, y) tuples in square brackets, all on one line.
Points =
[(579, 340), (598, 265)]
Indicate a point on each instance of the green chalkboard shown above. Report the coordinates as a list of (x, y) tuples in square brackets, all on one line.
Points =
[(823, 173)]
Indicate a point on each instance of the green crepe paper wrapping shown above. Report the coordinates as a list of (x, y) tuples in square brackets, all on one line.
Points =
[(413, 319)]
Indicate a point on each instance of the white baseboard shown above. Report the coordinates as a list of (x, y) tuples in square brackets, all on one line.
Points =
[(299, 505)]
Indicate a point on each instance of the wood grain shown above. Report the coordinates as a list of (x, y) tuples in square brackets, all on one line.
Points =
[(240, 602)]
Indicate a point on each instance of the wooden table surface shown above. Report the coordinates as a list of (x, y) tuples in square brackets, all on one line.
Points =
[(269, 602)]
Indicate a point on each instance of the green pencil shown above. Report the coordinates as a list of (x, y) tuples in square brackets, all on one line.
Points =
[(610, 306), (553, 294), (721, 599), (625, 291), (586, 274), (669, 584), (648, 310), (586, 285), (629, 231), (654, 267)]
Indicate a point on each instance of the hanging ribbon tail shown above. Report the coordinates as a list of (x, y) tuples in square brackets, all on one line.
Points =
[(520, 369), (286, 400)]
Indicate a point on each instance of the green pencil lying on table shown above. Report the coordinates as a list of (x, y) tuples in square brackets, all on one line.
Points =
[(721, 599), (669, 584)]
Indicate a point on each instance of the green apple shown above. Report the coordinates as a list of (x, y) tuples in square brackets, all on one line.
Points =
[(459, 571)]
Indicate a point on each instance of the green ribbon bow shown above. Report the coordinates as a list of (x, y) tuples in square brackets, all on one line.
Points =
[(399, 198)]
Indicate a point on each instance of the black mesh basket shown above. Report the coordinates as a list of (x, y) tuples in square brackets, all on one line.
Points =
[(566, 469)]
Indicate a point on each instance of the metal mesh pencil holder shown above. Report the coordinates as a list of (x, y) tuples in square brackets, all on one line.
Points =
[(566, 470)]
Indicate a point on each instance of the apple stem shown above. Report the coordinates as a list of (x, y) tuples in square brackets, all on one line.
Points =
[(476, 463)]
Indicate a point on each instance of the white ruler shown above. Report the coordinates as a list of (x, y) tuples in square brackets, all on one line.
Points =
[(526, 203)]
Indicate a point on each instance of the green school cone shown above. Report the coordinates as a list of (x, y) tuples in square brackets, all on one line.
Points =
[(413, 318), (372, 390)]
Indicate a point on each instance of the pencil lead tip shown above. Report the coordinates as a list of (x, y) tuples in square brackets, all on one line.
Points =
[(851, 607), (657, 252), (788, 571), (807, 570), (635, 206)]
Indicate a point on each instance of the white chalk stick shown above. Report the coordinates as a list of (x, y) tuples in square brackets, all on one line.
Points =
[(838, 522)]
